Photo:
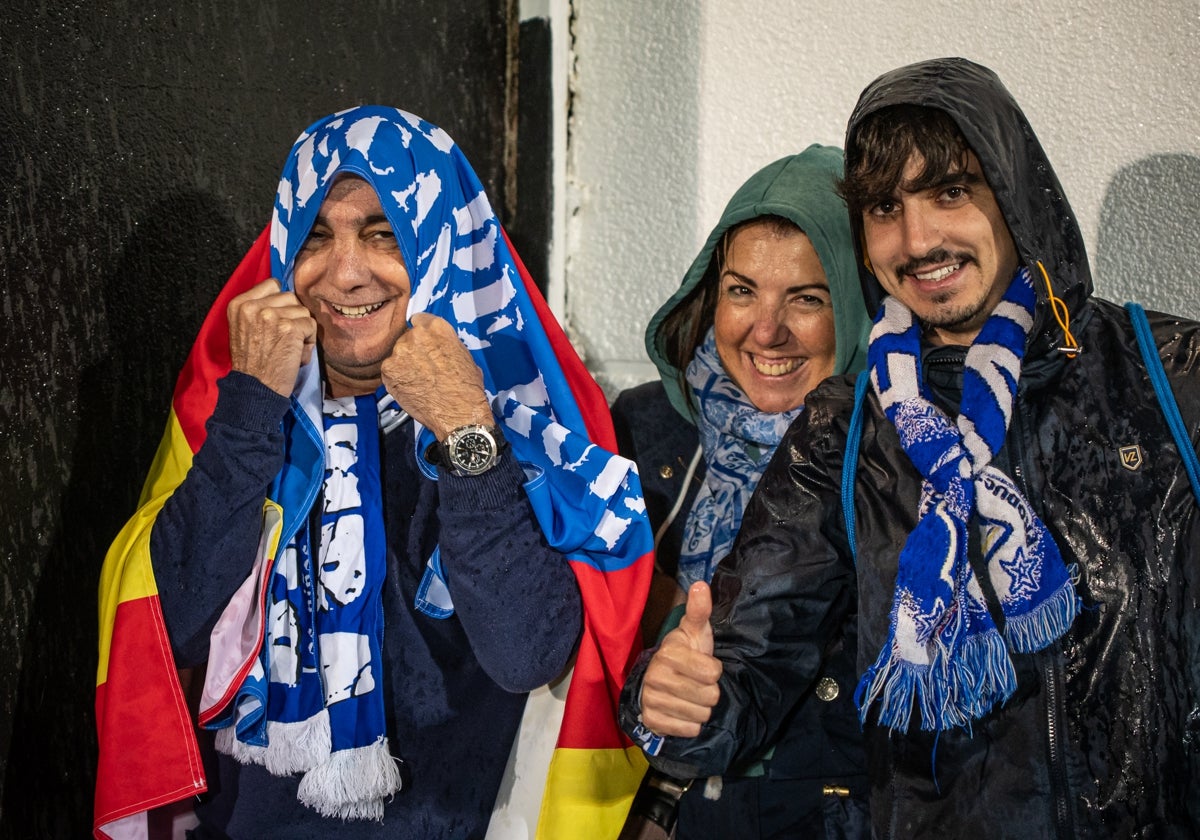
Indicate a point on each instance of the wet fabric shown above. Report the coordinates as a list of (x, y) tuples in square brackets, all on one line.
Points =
[(320, 689)]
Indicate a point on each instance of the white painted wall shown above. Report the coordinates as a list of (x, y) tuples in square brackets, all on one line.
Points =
[(665, 107), (675, 103)]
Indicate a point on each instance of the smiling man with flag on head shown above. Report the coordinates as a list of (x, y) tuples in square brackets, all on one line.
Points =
[(383, 511)]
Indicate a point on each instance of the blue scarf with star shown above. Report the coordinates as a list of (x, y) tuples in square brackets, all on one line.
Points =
[(944, 654)]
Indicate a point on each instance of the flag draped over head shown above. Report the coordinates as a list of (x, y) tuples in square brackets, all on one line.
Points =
[(589, 504)]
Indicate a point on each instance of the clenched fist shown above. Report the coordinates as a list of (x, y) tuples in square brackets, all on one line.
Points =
[(271, 334), (432, 376)]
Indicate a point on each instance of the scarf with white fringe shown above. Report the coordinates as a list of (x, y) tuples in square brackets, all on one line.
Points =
[(323, 646), (944, 653)]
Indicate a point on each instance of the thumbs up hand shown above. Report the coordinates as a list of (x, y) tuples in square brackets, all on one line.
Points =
[(680, 687)]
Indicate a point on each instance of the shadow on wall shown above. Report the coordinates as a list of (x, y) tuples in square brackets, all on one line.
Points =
[(155, 295), (1149, 242)]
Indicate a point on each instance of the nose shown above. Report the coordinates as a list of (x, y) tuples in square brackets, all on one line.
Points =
[(770, 327), (348, 266), (920, 230)]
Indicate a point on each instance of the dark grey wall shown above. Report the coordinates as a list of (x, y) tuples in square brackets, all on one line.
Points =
[(139, 149)]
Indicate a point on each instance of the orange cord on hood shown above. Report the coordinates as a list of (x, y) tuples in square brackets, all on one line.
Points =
[(1062, 315)]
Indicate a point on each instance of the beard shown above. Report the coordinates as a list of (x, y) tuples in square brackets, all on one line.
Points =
[(947, 315)]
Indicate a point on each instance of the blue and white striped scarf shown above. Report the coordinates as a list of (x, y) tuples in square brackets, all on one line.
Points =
[(312, 701), (738, 441), (944, 653)]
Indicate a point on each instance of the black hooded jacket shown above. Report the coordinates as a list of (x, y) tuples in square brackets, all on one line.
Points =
[(1102, 736)]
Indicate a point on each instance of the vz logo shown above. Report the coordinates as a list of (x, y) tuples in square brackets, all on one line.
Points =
[(1131, 457)]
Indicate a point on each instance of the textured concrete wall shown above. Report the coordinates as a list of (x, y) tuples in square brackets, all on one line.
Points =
[(141, 145), (676, 104)]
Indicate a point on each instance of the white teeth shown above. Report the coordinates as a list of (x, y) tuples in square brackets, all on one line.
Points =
[(939, 273), (778, 368), (355, 311)]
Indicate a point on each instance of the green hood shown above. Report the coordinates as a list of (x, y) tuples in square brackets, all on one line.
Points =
[(800, 188)]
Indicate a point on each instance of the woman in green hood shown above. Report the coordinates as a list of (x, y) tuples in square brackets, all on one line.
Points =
[(770, 307)]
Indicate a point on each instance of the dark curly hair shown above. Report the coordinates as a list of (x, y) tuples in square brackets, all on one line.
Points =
[(883, 143)]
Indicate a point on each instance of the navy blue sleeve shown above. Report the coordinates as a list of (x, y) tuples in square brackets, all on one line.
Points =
[(516, 596), (203, 542)]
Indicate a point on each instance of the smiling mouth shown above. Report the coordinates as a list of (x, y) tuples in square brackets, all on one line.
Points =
[(937, 273), (774, 367), (356, 311)]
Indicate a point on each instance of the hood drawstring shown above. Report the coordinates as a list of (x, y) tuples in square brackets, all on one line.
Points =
[(1061, 314)]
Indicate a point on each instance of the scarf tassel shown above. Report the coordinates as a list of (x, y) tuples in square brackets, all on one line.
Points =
[(1041, 626), (352, 784), (291, 747), (346, 784), (948, 692), (986, 676), (896, 684)]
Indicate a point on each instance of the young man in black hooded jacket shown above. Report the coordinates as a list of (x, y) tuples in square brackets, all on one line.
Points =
[(1023, 562)]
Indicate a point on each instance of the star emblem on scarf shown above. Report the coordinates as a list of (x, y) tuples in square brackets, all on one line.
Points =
[(1023, 574)]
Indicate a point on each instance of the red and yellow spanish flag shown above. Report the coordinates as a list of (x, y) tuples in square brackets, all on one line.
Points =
[(595, 770), (149, 755)]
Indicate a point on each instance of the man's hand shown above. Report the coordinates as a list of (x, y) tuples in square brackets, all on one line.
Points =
[(432, 376), (680, 687), (271, 333)]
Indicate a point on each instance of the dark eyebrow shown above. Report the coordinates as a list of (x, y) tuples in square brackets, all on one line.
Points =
[(962, 176), (741, 278), (367, 221), (749, 281)]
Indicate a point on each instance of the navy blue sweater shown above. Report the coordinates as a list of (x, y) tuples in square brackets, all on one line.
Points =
[(455, 687)]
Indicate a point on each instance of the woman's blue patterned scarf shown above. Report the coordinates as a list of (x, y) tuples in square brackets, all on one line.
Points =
[(738, 441), (944, 653), (312, 701)]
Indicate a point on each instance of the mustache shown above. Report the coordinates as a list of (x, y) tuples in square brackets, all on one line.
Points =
[(938, 256)]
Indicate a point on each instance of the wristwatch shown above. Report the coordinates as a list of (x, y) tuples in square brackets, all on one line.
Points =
[(468, 450)]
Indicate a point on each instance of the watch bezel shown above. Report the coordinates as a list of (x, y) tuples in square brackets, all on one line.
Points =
[(455, 454)]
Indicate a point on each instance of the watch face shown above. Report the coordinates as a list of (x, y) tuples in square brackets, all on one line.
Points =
[(472, 451)]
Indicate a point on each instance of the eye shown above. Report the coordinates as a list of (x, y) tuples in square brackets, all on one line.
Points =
[(884, 207), (315, 239), (954, 193), (810, 301), (738, 291), (381, 236)]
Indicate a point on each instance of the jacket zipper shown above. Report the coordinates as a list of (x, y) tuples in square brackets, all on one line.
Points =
[(1050, 676), (1058, 783)]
